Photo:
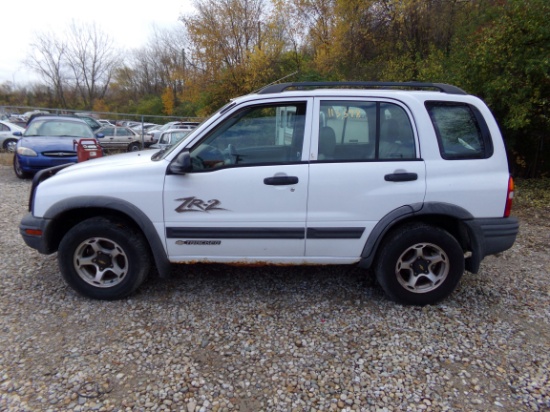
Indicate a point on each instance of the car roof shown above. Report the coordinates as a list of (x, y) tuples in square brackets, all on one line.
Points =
[(8, 123), (67, 117), (60, 117), (284, 87)]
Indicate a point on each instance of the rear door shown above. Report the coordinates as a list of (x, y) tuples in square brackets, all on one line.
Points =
[(364, 163)]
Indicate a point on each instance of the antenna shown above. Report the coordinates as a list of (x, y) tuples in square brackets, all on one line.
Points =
[(276, 81)]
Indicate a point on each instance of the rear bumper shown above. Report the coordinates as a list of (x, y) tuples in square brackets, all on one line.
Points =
[(498, 235), (490, 236)]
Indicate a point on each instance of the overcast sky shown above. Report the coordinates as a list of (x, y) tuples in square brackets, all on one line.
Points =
[(129, 23)]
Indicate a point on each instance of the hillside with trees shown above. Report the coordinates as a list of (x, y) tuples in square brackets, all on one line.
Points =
[(498, 50)]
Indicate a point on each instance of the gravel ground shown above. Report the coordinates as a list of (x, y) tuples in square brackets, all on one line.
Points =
[(215, 338)]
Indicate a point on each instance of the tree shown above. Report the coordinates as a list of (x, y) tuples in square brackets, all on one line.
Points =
[(92, 58), (223, 37), (48, 59), (82, 60), (507, 63)]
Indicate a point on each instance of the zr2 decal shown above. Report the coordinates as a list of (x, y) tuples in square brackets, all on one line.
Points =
[(192, 204)]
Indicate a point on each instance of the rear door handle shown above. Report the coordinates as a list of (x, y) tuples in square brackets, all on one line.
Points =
[(281, 180), (401, 177)]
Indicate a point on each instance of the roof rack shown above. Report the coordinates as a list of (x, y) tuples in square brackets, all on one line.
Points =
[(442, 87)]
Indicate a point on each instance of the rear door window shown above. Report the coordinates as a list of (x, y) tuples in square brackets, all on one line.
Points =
[(461, 131), (364, 130)]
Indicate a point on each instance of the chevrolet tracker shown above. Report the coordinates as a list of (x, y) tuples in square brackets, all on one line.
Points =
[(409, 180)]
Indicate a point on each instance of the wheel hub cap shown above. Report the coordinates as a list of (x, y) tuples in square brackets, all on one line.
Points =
[(101, 262), (422, 268)]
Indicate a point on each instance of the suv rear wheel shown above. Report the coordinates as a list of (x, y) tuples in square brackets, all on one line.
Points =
[(104, 259), (419, 264)]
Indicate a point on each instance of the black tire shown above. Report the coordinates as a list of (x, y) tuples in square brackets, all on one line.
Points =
[(419, 264), (134, 147), (9, 145), (19, 172), (102, 245)]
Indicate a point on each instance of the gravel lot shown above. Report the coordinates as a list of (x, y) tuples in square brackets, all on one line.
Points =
[(215, 338)]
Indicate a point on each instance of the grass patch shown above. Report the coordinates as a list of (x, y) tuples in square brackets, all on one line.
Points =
[(6, 159)]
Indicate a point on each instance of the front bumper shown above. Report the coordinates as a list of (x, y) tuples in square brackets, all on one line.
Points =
[(33, 230)]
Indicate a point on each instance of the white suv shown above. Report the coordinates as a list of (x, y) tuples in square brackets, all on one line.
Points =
[(408, 179)]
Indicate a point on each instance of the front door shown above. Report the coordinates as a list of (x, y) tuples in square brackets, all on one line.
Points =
[(245, 200)]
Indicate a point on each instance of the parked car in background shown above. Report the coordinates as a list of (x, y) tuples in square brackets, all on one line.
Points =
[(27, 115), (170, 138), (104, 122), (92, 122), (141, 129), (48, 141), (115, 137), (17, 120), (152, 136), (8, 140)]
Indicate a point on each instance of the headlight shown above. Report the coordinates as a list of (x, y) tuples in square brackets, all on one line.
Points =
[(25, 151)]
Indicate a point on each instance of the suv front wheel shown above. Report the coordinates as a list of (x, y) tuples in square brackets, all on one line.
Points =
[(102, 258), (419, 264)]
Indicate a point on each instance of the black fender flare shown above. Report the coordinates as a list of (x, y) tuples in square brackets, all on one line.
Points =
[(134, 213), (418, 210)]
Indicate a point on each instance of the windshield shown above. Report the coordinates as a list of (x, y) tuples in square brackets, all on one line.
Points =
[(58, 127), (166, 126)]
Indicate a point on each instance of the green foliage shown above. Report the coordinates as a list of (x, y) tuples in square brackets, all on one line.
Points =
[(150, 105), (507, 63)]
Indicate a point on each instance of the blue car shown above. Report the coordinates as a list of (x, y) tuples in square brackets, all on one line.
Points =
[(48, 141)]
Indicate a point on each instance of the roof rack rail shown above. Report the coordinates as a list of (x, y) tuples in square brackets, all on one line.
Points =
[(442, 87)]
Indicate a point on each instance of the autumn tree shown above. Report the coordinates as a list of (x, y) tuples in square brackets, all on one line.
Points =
[(225, 40), (154, 68)]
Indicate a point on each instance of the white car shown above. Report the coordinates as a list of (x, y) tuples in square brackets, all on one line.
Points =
[(409, 180), (153, 135), (169, 138), (7, 139)]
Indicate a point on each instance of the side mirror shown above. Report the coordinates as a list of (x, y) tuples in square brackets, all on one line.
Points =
[(99, 135), (18, 134), (181, 164)]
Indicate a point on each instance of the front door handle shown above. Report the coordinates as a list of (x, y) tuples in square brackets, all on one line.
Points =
[(401, 177), (281, 180)]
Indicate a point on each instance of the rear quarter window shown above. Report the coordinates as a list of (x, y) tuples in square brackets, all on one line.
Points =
[(461, 131)]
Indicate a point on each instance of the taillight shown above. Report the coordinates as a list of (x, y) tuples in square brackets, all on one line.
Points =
[(509, 197)]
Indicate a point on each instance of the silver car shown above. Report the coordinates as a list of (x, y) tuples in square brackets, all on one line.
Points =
[(7, 140), (114, 137)]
